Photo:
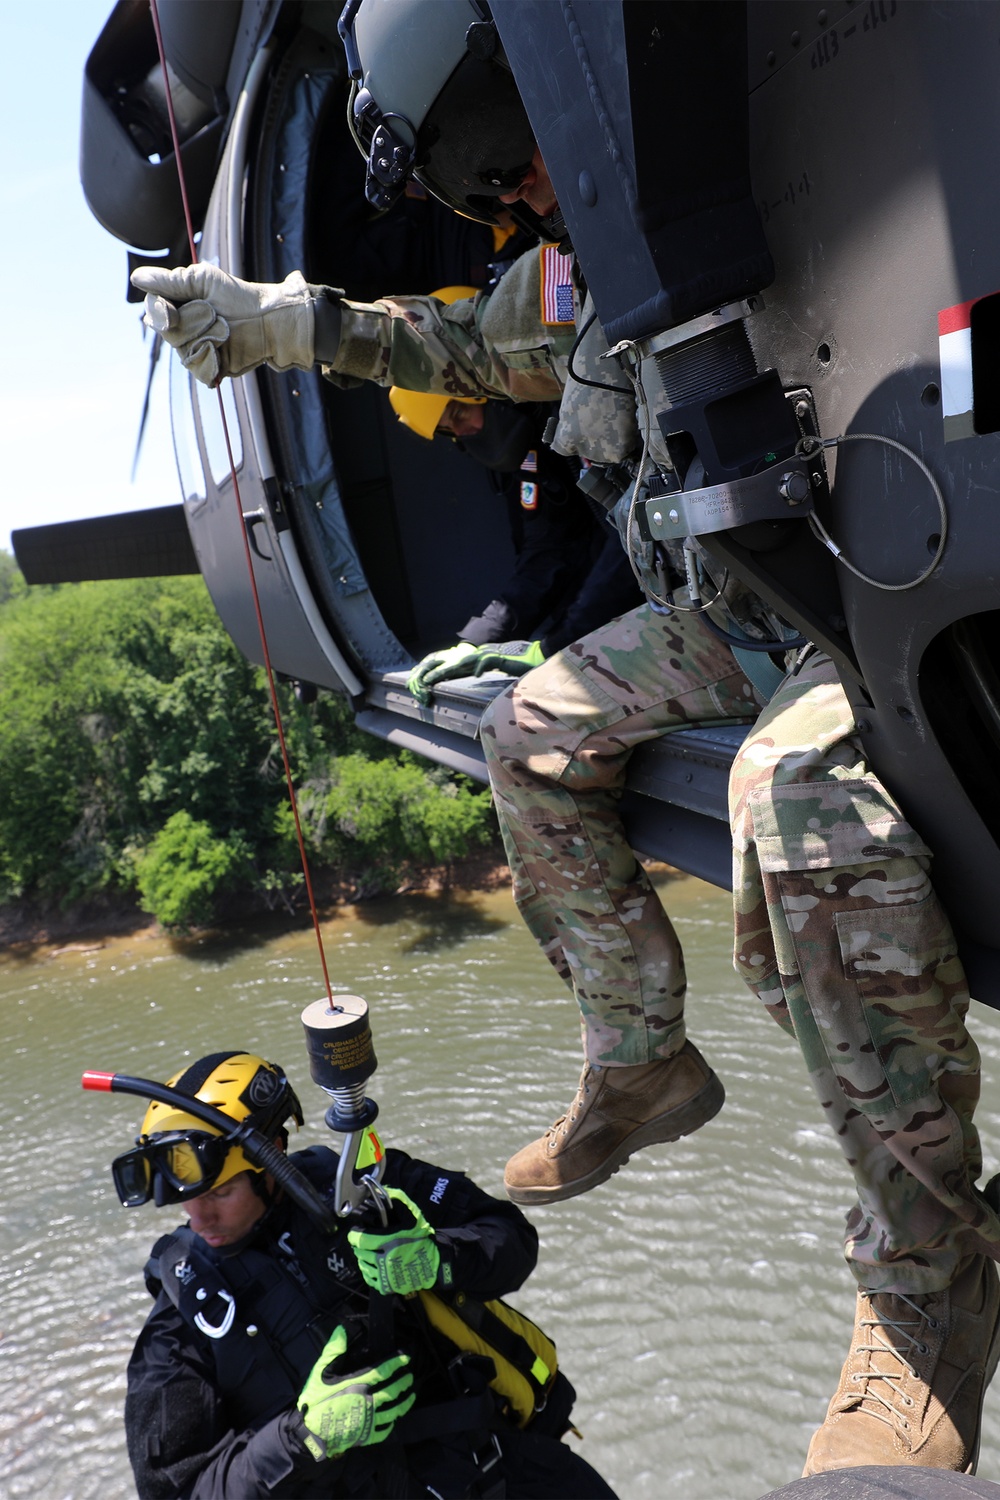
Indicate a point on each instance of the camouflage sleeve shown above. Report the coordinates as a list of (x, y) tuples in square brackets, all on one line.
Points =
[(596, 420), (494, 344)]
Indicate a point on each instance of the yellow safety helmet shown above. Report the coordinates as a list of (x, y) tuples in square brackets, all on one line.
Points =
[(178, 1156), (421, 411)]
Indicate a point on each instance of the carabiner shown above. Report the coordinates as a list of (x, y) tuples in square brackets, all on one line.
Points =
[(217, 1330)]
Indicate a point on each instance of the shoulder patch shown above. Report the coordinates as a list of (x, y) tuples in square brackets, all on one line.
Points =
[(556, 286)]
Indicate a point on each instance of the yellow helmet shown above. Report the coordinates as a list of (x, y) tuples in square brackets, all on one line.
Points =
[(177, 1155), (421, 411)]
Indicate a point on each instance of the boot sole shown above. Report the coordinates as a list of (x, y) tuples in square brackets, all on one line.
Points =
[(684, 1120)]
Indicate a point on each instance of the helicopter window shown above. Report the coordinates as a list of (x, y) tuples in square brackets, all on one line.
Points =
[(960, 692), (212, 431), (400, 493), (189, 469), (984, 320)]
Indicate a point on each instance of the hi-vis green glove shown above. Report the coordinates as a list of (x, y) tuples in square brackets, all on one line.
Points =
[(220, 325), (513, 657), (356, 1410), (404, 1259), (453, 661)]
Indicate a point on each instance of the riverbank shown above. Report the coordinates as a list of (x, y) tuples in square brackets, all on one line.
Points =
[(27, 924)]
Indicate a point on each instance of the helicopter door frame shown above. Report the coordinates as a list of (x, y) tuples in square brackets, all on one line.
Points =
[(299, 643)]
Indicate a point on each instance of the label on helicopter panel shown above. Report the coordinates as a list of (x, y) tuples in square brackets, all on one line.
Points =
[(955, 347), (783, 490)]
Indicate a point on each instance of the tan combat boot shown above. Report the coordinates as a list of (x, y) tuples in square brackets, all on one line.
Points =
[(616, 1111), (911, 1392)]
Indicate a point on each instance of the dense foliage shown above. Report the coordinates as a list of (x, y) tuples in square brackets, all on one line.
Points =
[(138, 752)]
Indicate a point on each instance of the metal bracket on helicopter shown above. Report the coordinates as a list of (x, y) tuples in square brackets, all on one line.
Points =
[(769, 495)]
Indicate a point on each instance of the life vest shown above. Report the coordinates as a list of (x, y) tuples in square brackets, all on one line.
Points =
[(523, 1356)]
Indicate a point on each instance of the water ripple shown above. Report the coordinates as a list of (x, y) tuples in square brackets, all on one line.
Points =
[(698, 1299)]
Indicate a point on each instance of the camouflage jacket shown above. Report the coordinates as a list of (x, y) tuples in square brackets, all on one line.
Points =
[(495, 344)]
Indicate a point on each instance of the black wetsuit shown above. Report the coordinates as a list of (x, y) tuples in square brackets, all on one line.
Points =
[(215, 1418)]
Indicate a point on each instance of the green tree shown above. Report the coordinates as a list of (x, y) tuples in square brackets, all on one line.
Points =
[(380, 818), (184, 870), (12, 582), (137, 746), (120, 704)]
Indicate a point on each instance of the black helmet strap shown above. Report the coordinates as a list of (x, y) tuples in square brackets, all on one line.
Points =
[(199, 1073)]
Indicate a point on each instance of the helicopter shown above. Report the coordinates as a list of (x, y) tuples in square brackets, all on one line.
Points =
[(803, 271)]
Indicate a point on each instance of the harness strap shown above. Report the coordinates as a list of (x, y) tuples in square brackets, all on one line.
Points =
[(463, 1414), (381, 1325), (204, 1298), (506, 1340), (476, 1414)]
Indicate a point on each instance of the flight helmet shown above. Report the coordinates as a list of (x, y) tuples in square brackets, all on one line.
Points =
[(177, 1156), (433, 97)]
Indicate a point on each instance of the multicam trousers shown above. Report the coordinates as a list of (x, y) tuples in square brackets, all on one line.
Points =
[(837, 928)]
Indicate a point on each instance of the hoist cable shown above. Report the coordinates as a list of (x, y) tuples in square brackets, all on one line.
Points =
[(279, 724)]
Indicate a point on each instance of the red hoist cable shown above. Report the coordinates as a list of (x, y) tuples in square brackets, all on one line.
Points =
[(239, 505)]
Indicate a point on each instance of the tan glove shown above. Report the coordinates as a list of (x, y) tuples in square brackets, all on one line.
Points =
[(222, 326)]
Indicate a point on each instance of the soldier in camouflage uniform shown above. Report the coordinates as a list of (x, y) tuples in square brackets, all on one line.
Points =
[(837, 928)]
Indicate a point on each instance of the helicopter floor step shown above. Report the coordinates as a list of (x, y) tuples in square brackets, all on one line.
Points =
[(675, 806)]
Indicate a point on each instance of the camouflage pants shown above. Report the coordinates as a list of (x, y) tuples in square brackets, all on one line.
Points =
[(557, 746), (839, 932), (821, 851)]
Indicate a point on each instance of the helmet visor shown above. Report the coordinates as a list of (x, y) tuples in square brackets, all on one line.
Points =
[(176, 1165), (475, 141)]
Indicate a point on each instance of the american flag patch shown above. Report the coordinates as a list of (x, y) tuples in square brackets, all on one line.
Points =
[(529, 463), (557, 286)]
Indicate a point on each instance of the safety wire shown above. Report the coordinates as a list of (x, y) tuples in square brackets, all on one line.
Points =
[(809, 445), (189, 223)]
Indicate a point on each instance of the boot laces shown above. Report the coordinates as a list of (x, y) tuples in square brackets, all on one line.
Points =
[(882, 1388), (565, 1123)]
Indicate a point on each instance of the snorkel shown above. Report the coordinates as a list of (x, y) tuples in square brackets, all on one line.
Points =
[(254, 1145)]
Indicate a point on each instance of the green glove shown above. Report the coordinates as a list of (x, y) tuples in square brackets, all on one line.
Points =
[(356, 1410), (513, 657), (399, 1259), (453, 661)]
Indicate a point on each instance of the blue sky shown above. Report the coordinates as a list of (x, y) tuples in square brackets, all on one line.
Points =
[(72, 357)]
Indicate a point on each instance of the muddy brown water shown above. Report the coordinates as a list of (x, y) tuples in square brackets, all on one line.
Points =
[(698, 1299)]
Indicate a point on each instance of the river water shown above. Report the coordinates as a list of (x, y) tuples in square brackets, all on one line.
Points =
[(698, 1299)]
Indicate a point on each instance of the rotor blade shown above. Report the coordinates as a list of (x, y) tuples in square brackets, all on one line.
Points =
[(137, 544), (154, 355)]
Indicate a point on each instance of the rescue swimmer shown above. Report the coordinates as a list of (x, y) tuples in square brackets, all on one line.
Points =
[(280, 1359)]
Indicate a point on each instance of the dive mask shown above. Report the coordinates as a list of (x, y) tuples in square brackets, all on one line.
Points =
[(170, 1167)]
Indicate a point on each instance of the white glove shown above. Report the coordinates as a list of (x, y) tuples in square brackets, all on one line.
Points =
[(221, 326)]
